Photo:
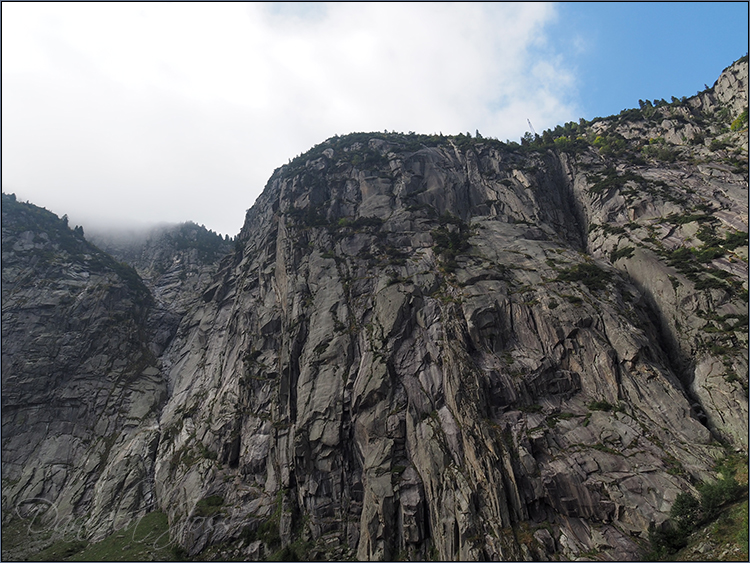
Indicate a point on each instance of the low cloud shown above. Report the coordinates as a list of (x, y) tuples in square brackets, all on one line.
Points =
[(137, 112)]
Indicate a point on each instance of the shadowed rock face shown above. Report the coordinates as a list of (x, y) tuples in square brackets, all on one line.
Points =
[(82, 385), (79, 382), (433, 347)]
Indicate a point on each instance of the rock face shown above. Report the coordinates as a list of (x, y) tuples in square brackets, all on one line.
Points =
[(81, 389), (82, 383), (439, 347), (176, 262)]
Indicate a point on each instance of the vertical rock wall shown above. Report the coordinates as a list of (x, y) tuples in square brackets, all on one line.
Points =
[(421, 347)]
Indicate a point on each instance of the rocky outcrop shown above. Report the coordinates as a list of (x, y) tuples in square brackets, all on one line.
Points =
[(680, 233), (176, 262), (82, 380), (82, 391), (454, 348)]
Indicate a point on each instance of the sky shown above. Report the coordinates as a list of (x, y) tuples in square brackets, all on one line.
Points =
[(129, 114)]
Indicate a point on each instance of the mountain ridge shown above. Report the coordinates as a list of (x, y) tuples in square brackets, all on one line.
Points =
[(501, 326)]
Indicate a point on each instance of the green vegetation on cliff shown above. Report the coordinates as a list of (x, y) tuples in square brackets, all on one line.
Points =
[(713, 527)]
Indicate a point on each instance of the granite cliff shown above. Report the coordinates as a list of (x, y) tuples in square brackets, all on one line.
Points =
[(420, 347)]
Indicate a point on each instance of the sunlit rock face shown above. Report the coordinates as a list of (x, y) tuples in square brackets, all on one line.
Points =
[(418, 347)]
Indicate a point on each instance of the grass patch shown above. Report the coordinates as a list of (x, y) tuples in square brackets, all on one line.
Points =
[(624, 252), (600, 406), (609, 179), (451, 238), (62, 550), (686, 218), (146, 539), (209, 506), (298, 550), (590, 274), (733, 240)]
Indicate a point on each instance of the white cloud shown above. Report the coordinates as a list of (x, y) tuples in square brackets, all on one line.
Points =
[(162, 111)]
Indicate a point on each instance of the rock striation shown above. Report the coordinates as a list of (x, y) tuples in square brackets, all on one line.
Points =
[(176, 262), (418, 347), (81, 387), (82, 380)]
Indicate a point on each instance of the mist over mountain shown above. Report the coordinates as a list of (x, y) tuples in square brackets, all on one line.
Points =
[(417, 347)]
